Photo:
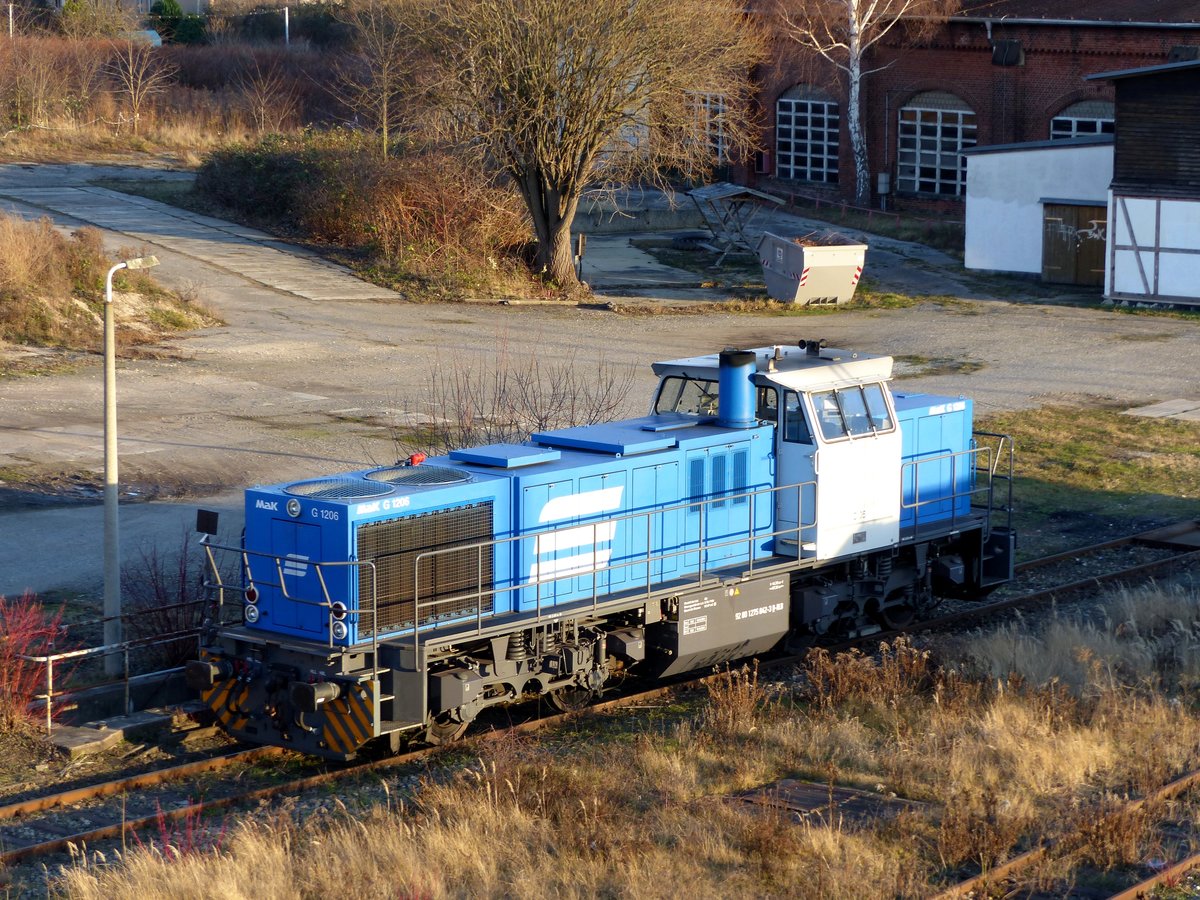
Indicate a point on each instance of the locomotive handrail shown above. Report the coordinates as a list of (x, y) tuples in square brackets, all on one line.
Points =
[(1005, 448), (746, 532), (332, 613), (701, 548), (914, 465)]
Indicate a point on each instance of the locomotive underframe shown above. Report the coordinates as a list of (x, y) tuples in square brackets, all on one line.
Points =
[(330, 702)]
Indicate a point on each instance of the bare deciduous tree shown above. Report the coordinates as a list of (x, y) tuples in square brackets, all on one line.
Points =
[(373, 80), (843, 32), (268, 97), (563, 95), (139, 74)]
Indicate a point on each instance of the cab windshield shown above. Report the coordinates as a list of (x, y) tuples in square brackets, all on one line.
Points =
[(689, 396)]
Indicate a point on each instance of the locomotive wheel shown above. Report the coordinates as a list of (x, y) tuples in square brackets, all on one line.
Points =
[(444, 730), (571, 699), (897, 617)]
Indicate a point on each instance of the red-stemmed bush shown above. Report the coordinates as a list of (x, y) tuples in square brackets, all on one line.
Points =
[(26, 630)]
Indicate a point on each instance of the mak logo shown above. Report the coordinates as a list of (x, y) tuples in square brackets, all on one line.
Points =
[(272, 505)]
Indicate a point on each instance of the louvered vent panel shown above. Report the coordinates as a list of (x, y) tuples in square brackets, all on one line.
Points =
[(451, 580), (718, 479), (741, 476), (695, 482)]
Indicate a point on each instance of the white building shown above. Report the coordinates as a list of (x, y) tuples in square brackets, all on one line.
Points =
[(1040, 208)]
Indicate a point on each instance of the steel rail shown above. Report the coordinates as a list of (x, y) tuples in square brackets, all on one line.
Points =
[(1165, 877), (1030, 857), (133, 782), (1050, 592), (117, 830)]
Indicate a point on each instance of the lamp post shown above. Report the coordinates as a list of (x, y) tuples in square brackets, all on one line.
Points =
[(113, 663)]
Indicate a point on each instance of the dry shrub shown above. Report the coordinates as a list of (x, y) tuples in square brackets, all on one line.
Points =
[(164, 596), (1112, 833), (433, 209), (900, 670), (979, 828), (26, 629), (736, 701), (45, 283), (503, 397), (422, 215)]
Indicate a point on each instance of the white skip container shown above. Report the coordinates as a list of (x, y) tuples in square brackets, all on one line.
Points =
[(812, 270)]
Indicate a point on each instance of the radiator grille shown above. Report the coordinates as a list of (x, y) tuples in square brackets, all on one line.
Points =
[(394, 547), (338, 489), (419, 475)]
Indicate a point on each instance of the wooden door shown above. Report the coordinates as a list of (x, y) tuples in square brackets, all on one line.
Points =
[(1073, 239)]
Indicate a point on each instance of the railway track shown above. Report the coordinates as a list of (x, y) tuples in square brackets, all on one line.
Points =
[(1007, 872), (47, 835)]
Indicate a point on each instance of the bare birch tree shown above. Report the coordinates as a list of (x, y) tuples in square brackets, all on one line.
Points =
[(564, 95), (373, 81), (139, 74), (844, 32)]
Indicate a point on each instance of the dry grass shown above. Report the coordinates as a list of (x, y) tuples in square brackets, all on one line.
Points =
[(1003, 749), (52, 291)]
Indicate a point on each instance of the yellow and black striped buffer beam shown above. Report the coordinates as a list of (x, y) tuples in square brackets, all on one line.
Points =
[(350, 720), (227, 700)]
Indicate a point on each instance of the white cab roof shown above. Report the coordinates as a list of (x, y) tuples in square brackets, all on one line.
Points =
[(793, 367)]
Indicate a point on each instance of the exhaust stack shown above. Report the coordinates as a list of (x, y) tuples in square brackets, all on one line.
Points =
[(736, 391)]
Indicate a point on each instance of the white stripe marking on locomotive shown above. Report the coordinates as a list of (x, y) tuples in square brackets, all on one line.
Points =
[(581, 536), (589, 503), (295, 564), (579, 564)]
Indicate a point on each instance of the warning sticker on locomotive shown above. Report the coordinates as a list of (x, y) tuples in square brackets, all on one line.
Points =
[(695, 625)]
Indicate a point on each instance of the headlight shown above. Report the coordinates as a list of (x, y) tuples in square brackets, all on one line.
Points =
[(340, 631), (250, 612)]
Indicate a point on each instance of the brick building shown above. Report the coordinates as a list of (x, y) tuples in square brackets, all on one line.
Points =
[(998, 72)]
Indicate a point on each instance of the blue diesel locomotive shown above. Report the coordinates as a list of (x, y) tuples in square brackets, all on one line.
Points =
[(771, 496)]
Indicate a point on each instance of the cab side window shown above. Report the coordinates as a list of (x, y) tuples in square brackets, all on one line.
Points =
[(795, 425), (767, 405), (852, 412), (689, 396)]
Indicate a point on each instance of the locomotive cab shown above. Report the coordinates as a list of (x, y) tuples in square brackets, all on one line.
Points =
[(837, 443)]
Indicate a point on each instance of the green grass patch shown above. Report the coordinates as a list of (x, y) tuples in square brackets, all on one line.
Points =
[(1081, 473), (174, 192)]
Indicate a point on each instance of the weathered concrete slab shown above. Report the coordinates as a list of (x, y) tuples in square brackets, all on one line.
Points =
[(1188, 410), (253, 254), (96, 737)]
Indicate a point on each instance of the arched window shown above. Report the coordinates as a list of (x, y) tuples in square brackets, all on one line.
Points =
[(806, 135), (1088, 117), (934, 129)]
